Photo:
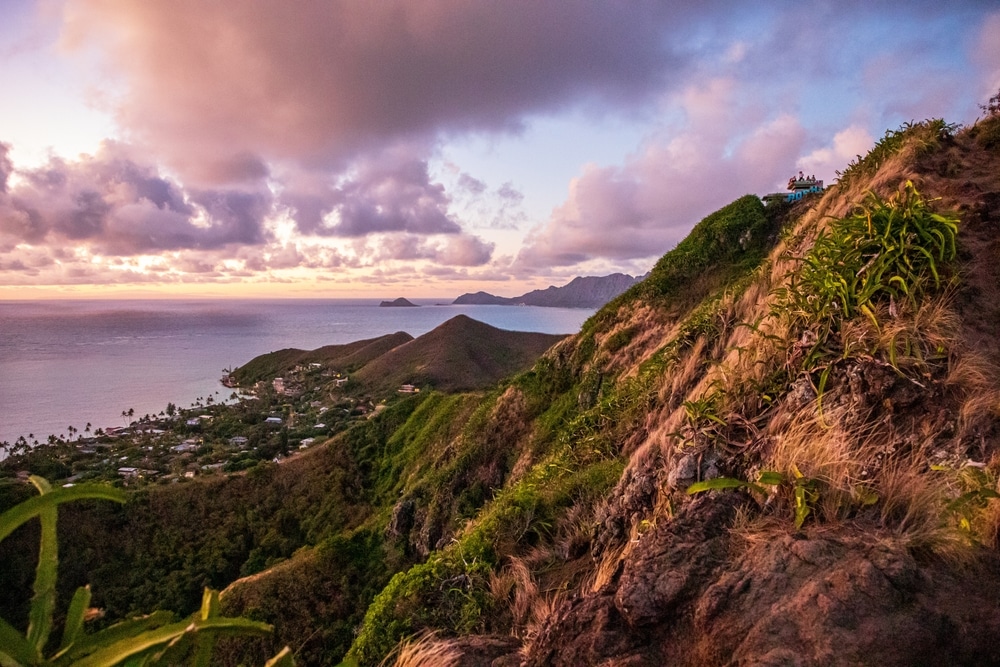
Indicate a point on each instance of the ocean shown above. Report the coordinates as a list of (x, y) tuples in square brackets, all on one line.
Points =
[(70, 363)]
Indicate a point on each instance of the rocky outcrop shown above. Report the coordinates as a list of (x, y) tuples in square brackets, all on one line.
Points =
[(691, 592)]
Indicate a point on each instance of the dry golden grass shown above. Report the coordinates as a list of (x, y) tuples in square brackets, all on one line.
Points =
[(516, 586), (424, 651), (606, 569), (841, 459), (647, 324), (976, 382)]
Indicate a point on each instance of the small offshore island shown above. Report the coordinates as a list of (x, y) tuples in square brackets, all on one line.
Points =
[(398, 303)]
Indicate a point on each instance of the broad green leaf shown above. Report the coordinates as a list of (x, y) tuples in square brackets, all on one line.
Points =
[(19, 514), (771, 478), (17, 649), (802, 508), (209, 604), (722, 483), (74, 616), (86, 644), (122, 650), (205, 642), (43, 601), (865, 496)]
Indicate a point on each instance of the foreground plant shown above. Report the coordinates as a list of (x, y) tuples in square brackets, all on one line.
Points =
[(156, 639), (891, 252)]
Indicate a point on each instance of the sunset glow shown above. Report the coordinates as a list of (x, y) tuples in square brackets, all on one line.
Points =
[(430, 148)]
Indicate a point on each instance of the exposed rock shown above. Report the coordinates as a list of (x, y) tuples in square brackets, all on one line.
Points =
[(486, 651), (402, 519), (691, 594), (684, 472)]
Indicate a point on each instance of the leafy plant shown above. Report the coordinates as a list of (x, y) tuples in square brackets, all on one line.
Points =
[(887, 251), (156, 639), (805, 491), (978, 487)]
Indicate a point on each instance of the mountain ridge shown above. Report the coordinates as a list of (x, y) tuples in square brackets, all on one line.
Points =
[(580, 292)]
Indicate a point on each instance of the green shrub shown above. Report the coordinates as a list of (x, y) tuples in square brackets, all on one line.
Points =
[(888, 251)]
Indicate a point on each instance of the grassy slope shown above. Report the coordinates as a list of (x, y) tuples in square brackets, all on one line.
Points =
[(531, 473), (706, 376), (345, 357)]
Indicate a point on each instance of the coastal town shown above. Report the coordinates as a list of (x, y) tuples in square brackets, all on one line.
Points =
[(262, 424)]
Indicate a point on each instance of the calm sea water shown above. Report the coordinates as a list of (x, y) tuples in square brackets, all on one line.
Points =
[(67, 363)]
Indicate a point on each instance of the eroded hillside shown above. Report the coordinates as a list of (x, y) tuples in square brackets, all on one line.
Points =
[(843, 382), (779, 448)]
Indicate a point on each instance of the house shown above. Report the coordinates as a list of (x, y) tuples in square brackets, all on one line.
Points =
[(306, 442), (238, 441), (128, 472), (408, 389), (273, 420), (194, 421)]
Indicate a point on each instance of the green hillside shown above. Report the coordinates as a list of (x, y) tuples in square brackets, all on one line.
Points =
[(345, 357), (783, 447), (459, 355)]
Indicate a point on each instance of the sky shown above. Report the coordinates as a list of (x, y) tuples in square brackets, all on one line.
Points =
[(427, 148)]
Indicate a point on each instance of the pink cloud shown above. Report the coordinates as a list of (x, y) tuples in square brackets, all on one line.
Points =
[(846, 145), (986, 54), (115, 204), (388, 192), (643, 208)]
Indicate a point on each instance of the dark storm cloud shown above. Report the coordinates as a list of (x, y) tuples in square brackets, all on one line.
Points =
[(319, 81)]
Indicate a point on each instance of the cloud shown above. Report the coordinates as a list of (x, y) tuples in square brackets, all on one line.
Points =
[(6, 167), (322, 81), (451, 250), (986, 54), (847, 144), (643, 208), (116, 205), (392, 192), (472, 185)]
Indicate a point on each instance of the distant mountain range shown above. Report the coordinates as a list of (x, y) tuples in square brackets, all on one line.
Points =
[(581, 292)]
